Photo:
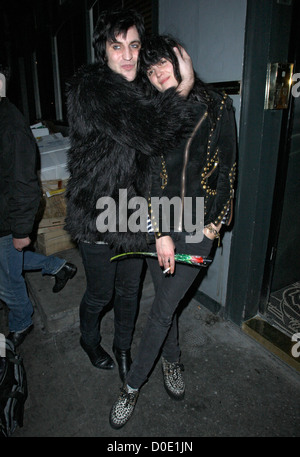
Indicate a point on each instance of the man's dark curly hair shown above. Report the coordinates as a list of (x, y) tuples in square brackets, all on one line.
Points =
[(113, 23)]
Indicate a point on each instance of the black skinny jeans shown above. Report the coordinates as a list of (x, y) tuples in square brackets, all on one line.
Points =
[(161, 328), (103, 279)]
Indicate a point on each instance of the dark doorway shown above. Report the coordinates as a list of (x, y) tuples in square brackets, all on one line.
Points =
[(281, 299)]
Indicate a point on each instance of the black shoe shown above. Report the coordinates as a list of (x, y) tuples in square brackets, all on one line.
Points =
[(98, 356), (68, 271), (17, 338), (124, 361)]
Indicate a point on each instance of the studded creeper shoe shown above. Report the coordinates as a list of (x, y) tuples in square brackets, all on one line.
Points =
[(173, 380), (123, 408)]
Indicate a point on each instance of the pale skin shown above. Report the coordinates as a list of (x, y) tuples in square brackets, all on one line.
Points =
[(161, 76), (122, 54), (21, 243)]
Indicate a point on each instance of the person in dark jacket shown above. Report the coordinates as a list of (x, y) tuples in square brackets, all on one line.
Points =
[(20, 196), (201, 166), (115, 131)]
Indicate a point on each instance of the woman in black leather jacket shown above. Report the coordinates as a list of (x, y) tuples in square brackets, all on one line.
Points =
[(200, 167)]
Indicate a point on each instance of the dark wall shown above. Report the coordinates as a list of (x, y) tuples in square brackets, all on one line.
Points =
[(267, 39), (26, 28)]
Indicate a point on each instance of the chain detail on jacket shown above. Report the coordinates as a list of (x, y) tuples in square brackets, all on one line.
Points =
[(185, 162)]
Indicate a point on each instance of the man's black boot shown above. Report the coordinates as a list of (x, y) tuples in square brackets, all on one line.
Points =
[(98, 356), (68, 271), (124, 361), (17, 338)]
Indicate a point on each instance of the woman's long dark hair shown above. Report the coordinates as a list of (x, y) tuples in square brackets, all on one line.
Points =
[(161, 46)]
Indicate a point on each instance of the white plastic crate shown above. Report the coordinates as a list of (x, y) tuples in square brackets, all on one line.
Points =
[(53, 154)]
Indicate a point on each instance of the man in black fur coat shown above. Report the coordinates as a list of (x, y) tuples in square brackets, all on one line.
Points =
[(115, 132)]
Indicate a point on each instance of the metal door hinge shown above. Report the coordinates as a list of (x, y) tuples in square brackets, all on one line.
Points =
[(278, 85)]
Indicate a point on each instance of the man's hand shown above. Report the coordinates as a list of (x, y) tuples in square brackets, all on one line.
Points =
[(186, 71), (165, 249), (21, 243)]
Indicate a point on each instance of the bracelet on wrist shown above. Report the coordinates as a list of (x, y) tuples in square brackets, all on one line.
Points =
[(212, 230)]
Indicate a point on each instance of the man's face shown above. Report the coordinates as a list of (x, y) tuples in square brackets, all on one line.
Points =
[(122, 54)]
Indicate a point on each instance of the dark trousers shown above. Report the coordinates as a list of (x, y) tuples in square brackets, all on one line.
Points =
[(104, 279), (161, 328)]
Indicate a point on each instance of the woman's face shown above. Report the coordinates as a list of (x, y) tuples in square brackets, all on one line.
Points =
[(161, 75)]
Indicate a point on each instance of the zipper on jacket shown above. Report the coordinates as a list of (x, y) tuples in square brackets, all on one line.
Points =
[(185, 162)]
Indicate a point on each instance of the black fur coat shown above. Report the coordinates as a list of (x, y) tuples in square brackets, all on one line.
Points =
[(115, 133)]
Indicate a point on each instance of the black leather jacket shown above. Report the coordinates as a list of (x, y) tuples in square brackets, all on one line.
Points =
[(202, 166), (20, 191)]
